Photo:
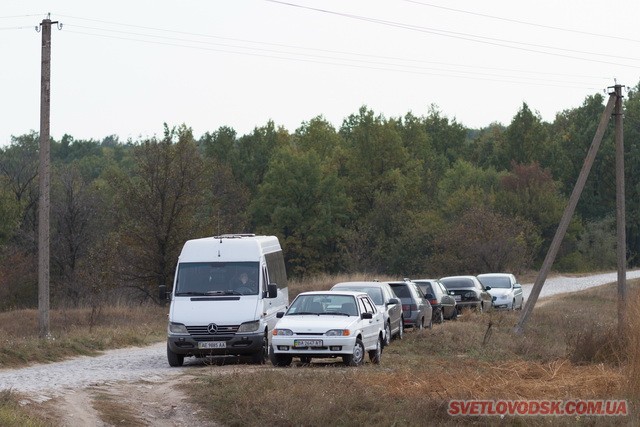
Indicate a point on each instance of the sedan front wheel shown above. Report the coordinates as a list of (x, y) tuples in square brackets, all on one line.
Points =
[(356, 358)]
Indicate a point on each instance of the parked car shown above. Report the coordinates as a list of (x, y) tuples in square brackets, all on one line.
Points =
[(468, 292), (416, 310), (442, 302), (331, 324), (505, 290), (383, 297)]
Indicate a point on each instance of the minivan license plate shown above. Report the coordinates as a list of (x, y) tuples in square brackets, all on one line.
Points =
[(212, 344), (307, 343)]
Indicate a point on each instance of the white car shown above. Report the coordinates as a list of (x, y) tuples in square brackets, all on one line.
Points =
[(328, 324), (505, 290)]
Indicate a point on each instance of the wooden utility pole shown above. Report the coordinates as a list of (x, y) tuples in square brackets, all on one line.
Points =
[(44, 182), (621, 247), (568, 213)]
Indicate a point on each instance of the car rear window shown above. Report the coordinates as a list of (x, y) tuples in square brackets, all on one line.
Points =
[(457, 283), (374, 293), (401, 290)]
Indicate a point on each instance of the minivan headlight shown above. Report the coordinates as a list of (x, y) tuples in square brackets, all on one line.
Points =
[(249, 327), (178, 329)]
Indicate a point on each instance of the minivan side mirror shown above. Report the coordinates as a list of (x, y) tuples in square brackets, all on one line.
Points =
[(517, 286), (272, 290)]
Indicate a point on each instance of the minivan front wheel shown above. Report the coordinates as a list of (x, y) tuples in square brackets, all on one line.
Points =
[(175, 360), (260, 357)]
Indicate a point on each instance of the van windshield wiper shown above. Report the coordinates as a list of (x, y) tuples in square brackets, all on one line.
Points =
[(227, 292), (179, 294)]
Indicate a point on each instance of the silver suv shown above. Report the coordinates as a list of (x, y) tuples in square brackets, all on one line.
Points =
[(386, 301)]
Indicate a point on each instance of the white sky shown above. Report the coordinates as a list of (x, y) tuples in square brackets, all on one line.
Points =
[(126, 67)]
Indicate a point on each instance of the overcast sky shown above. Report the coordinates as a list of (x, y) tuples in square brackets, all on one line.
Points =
[(126, 67)]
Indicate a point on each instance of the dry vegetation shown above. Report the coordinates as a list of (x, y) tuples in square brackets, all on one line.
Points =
[(570, 350), (77, 332)]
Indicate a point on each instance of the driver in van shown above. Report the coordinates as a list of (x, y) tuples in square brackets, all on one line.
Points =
[(246, 285)]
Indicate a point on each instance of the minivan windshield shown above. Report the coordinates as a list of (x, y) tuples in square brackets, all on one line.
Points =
[(217, 278)]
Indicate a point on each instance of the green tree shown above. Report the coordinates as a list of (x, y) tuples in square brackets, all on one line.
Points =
[(525, 138), (252, 153), (306, 208), (482, 240), (157, 204), (465, 186), (384, 181)]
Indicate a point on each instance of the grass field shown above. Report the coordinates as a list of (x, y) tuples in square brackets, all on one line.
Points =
[(570, 350)]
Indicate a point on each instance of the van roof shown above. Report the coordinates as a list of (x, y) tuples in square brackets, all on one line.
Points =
[(228, 247)]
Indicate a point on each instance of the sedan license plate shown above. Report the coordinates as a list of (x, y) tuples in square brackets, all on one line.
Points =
[(212, 344), (457, 297), (307, 343)]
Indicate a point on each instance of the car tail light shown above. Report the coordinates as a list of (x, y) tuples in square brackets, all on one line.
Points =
[(433, 301), (409, 307)]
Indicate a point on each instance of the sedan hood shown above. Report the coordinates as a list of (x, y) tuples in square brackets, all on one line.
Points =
[(497, 292), (314, 323)]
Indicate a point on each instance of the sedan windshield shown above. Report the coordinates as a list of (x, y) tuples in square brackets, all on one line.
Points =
[(495, 282), (323, 304)]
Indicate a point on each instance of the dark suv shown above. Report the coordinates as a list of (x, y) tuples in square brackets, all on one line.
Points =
[(442, 302), (416, 309)]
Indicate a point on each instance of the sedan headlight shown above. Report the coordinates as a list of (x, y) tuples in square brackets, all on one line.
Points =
[(249, 327), (338, 333), (178, 329), (282, 332), (470, 295)]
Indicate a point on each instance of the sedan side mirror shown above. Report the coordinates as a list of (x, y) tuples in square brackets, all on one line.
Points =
[(487, 288), (279, 314), (393, 301), (367, 315), (429, 296), (517, 286)]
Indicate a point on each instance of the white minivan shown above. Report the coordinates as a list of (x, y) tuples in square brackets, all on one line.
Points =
[(226, 293)]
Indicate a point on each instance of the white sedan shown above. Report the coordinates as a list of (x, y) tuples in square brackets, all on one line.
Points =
[(505, 290), (328, 324)]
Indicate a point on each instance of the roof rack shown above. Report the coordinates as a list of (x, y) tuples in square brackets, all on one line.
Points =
[(234, 236)]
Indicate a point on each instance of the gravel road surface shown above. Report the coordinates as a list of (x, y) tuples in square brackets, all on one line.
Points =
[(564, 284)]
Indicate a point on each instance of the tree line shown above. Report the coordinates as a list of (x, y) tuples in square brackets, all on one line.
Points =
[(405, 196)]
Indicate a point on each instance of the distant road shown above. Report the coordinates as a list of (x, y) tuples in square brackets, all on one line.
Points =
[(565, 284)]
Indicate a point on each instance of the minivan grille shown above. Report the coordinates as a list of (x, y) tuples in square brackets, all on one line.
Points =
[(203, 330)]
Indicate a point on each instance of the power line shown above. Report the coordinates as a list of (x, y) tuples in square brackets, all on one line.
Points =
[(375, 66), (466, 36), (533, 24)]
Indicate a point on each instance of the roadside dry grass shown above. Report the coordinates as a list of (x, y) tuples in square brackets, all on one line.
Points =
[(570, 350), (77, 332)]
